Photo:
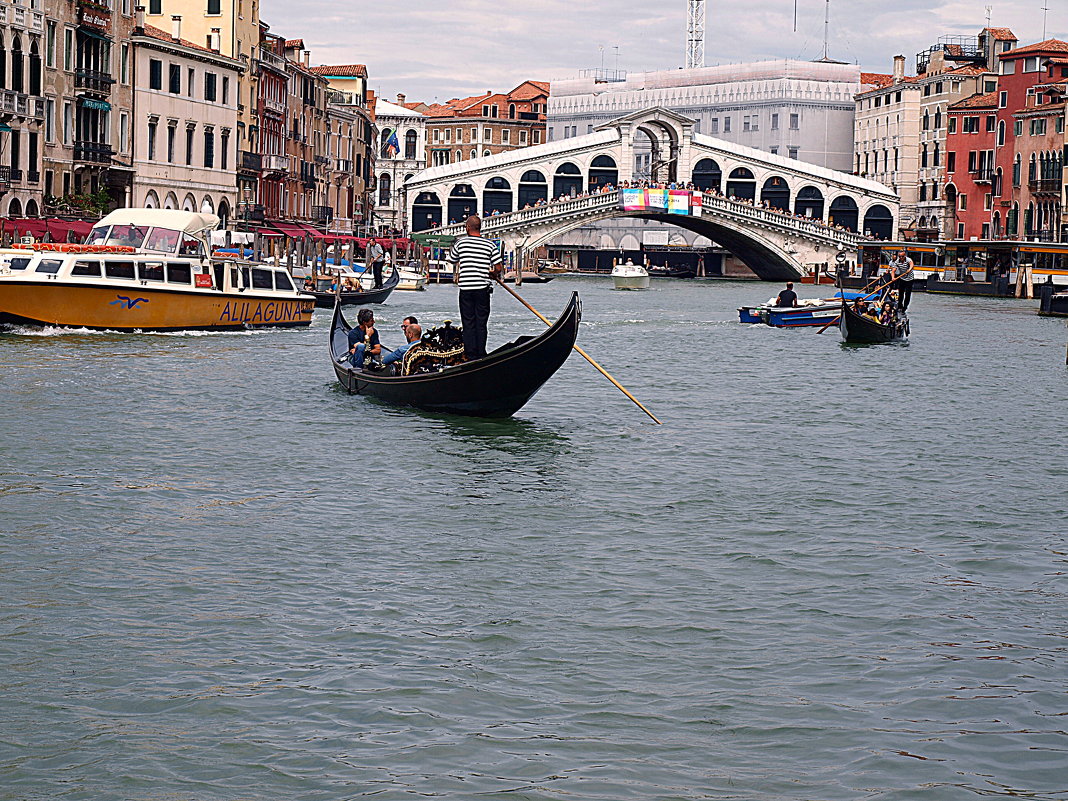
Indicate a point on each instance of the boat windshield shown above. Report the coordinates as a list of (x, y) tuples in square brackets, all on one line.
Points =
[(124, 235), (163, 240)]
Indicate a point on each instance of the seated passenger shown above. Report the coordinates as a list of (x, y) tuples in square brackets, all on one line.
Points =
[(363, 339), (787, 297), (412, 333)]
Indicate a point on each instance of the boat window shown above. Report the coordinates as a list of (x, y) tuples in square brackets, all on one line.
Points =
[(282, 282), (233, 278), (119, 269), (87, 268), (50, 266), (190, 246), (127, 235), (179, 272), (246, 278), (261, 279), (162, 240), (151, 270), (98, 236), (19, 263)]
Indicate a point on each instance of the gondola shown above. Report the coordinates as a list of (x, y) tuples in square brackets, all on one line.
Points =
[(326, 299), (862, 330), (497, 385)]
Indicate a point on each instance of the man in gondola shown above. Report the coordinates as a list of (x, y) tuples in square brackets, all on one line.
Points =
[(363, 339), (787, 297), (476, 260), (376, 257), (903, 269), (413, 332)]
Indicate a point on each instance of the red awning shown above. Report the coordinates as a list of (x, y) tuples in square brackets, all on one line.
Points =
[(269, 233), (23, 226), (81, 228), (289, 229)]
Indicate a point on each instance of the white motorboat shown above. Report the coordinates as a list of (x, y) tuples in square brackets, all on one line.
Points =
[(630, 276)]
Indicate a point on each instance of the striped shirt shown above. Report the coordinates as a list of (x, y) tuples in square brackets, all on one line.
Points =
[(475, 256)]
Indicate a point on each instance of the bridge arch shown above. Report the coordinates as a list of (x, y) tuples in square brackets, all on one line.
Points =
[(532, 188), (497, 196), (879, 222), (567, 180), (776, 193), (844, 212), (603, 171), (707, 174), (462, 202), (809, 203), (426, 211), (741, 183), (664, 140)]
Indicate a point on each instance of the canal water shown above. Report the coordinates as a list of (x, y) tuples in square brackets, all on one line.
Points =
[(834, 573)]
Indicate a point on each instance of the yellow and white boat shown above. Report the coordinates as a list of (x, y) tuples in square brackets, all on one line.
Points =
[(146, 270)]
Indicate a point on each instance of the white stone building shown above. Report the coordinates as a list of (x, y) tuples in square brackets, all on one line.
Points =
[(797, 109), (393, 169), (185, 143)]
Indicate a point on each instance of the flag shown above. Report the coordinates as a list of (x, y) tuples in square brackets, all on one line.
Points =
[(392, 145)]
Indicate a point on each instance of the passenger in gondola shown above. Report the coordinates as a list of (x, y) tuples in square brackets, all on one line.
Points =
[(787, 297), (363, 339), (413, 332)]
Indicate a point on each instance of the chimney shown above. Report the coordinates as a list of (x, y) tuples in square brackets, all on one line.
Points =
[(899, 69), (176, 26), (400, 99), (216, 39), (306, 58), (139, 19)]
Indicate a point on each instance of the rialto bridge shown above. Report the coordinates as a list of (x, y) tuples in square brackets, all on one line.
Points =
[(775, 214)]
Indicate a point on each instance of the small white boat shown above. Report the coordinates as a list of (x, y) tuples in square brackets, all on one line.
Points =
[(630, 276), (411, 277)]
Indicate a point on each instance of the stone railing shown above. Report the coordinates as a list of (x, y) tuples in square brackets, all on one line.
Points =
[(595, 204)]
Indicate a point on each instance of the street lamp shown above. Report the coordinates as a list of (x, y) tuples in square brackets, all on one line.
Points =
[(246, 194)]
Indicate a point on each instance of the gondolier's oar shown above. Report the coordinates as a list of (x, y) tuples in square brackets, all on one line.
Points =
[(582, 353)]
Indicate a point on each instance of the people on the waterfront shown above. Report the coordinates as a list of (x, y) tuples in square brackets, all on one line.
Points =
[(475, 259), (412, 334), (376, 257), (363, 339), (787, 297), (904, 271)]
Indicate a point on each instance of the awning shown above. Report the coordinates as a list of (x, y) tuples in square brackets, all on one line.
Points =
[(290, 229), (23, 226)]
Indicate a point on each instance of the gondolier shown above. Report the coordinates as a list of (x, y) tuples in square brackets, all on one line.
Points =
[(376, 257), (475, 259), (904, 269)]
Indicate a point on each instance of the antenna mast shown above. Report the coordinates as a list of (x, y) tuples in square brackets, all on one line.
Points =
[(826, 27), (695, 43)]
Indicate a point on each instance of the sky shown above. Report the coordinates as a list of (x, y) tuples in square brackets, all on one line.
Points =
[(433, 50)]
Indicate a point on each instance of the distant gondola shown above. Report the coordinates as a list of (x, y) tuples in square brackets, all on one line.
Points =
[(325, 299), (497, 385), (862, 330)]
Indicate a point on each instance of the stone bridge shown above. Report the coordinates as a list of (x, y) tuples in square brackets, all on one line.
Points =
[(544, 191)]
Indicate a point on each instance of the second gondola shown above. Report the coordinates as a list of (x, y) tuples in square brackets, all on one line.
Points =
[(325, 297), (861, 329)]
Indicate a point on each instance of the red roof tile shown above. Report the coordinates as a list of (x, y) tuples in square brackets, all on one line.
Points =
[(295, 43), (1040, 48), (878, 79), (341, 70), (988, 100), (1001, 34), (156, 33)]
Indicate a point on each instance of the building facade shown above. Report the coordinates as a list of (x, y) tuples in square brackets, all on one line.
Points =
[(398, 159), (485, 125), (347, 93), (23, 101), (185, 140), (796, 109)]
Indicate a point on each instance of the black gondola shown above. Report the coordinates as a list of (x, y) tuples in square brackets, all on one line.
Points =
[(862, 330), (325, 299), (495, 386)]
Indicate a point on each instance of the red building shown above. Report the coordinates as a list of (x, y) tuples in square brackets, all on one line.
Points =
[(1006, 148)]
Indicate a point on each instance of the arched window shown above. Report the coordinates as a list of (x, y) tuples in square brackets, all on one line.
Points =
[(707, 174), (602, 172), (1016, 170), (776, 193), (16, 65), (1001, 133), (31, 208), (14, 209), (383, 150), (411, 139), (497, 196), (35, 70), (3, 63), (385, 189), (511, 111)]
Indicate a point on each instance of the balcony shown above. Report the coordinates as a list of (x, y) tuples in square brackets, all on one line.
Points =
[(272, 59), (1045, 186), (323, 160), (16, 175), (251, 162), (274, 106), (343, 165), (93, 152), (983, 175), (16, 103), (275, 164), (23, 18), (322, 214), (33, 177), (5, 178), (93, 81)]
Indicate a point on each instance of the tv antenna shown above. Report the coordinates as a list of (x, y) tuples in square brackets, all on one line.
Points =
[(826, 28), (1045, 8), (988, 10)]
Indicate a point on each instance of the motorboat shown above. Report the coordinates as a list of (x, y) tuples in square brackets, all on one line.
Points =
[(807, 312), (630, 276), (146, 270)]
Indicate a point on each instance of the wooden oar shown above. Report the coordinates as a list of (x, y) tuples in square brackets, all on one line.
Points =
[(582, 353)]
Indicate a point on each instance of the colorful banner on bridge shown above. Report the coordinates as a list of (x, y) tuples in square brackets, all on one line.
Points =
[(662, 201)]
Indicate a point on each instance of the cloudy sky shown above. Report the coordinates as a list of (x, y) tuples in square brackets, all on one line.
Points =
[(437, 49)]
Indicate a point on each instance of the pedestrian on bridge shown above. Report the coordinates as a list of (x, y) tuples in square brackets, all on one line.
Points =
[(475, 259)]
